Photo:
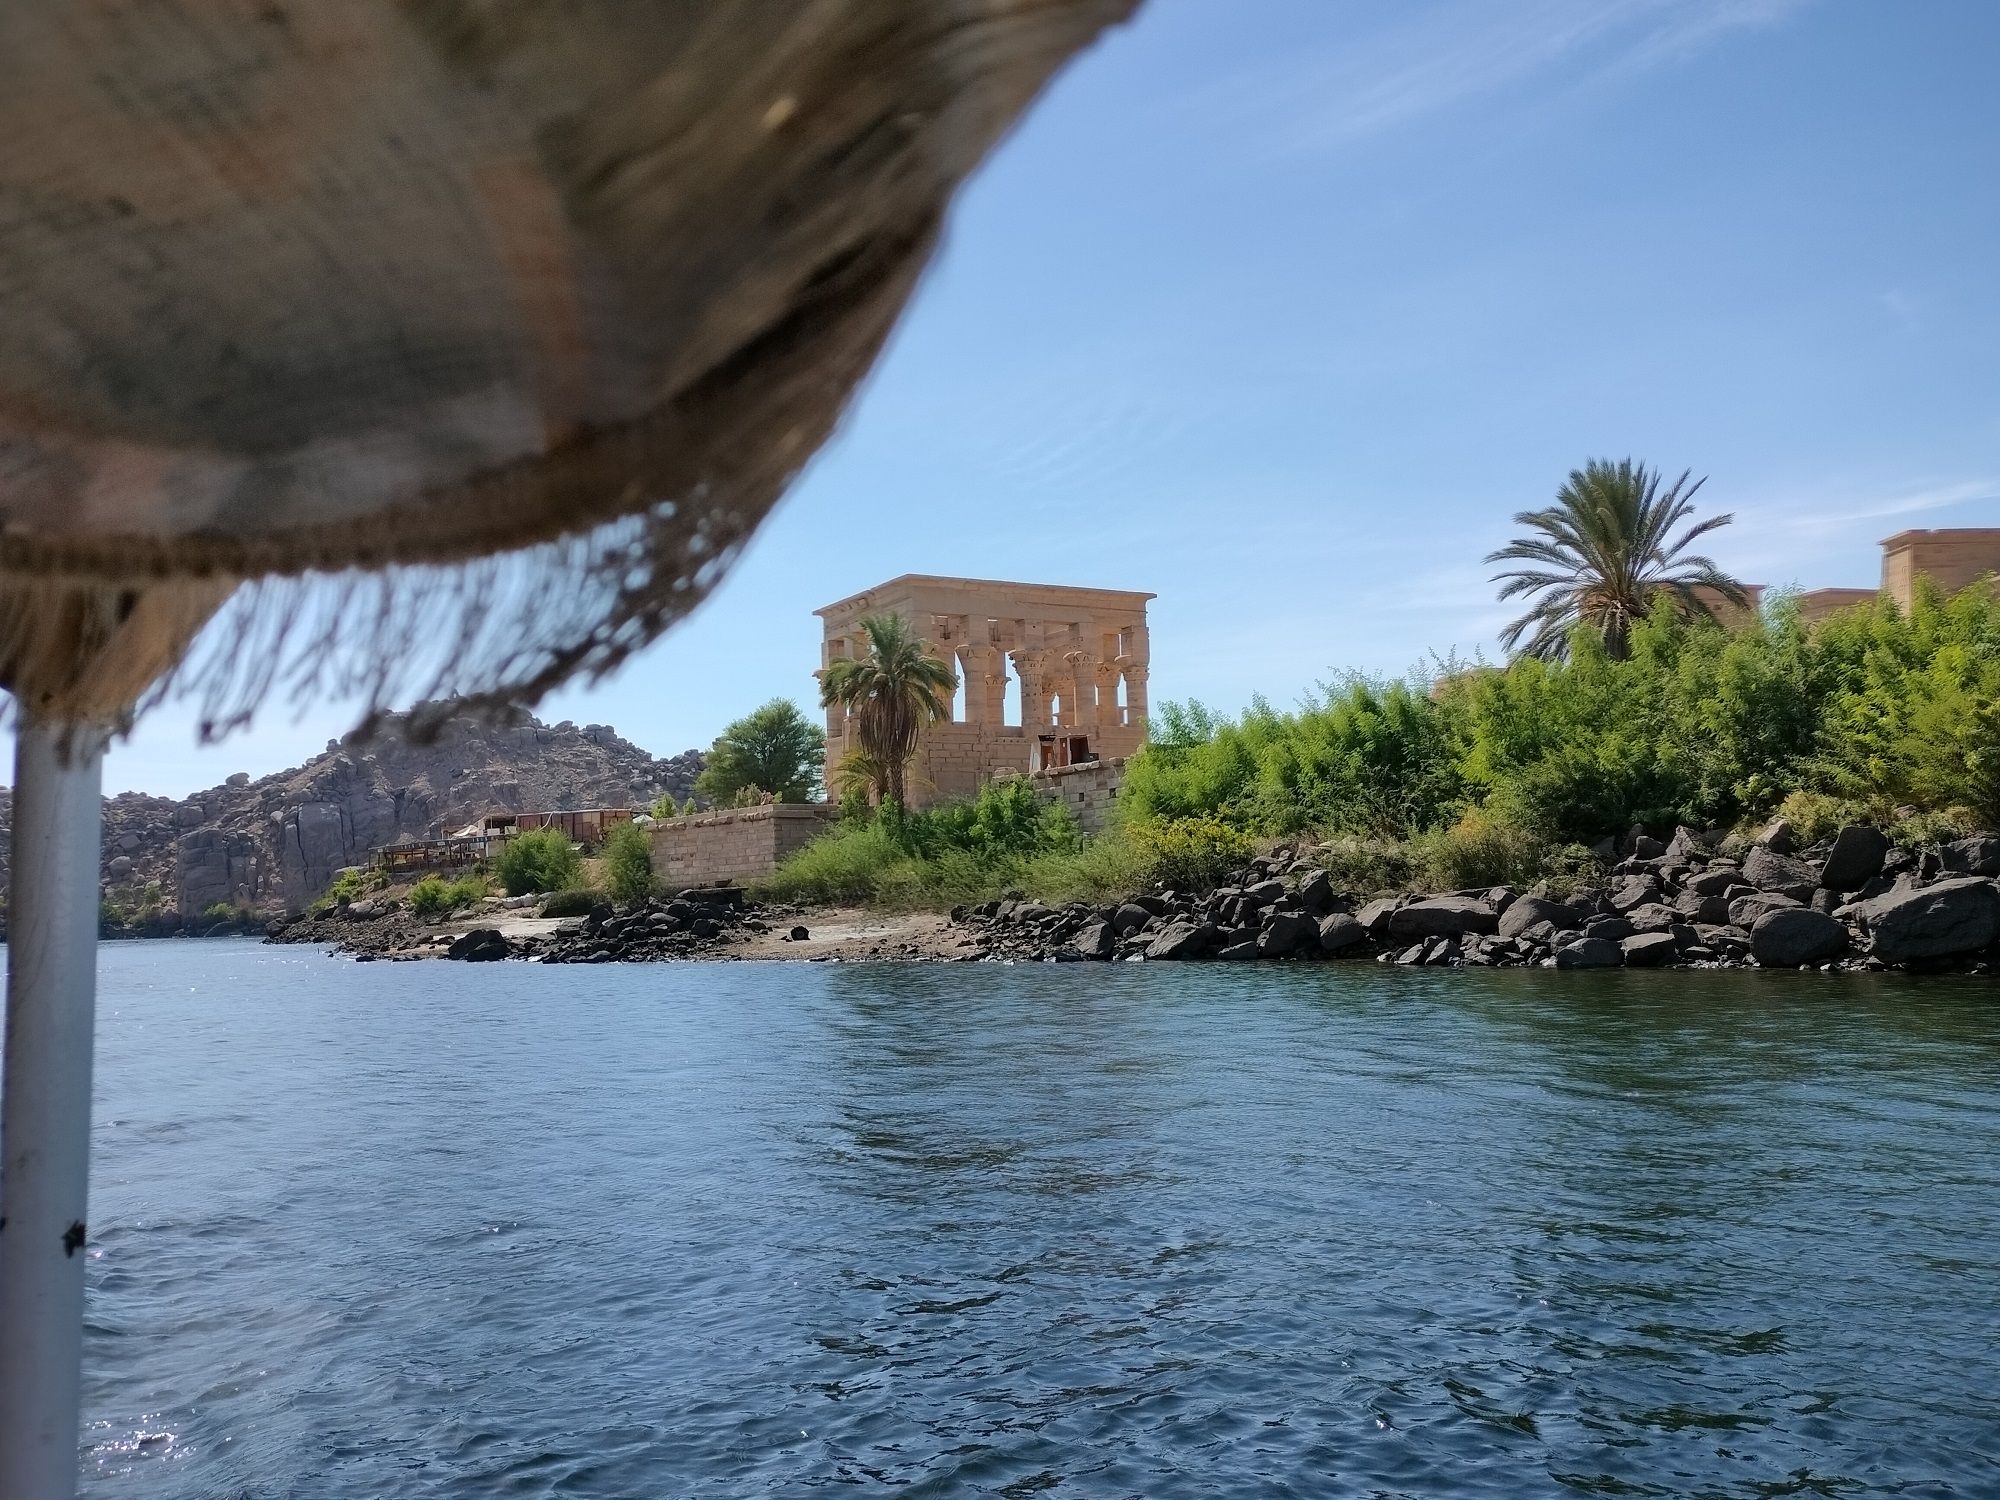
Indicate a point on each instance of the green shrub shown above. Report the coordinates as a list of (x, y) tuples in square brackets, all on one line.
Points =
[(574, 902), (851, 862), (1479, 850), (1101, 866), (1915, 715), (1506, 774), (541, 859), (1006, 820), (1817, 815), (350, 885), (1925, 830), (1868, 711), (434, 895), (628, 863), (1005, 838), (1191, 853), (1369, 865), (1363, 757)]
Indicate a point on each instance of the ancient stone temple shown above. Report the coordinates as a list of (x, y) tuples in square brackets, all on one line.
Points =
[(1048, 676), (1952, 559)]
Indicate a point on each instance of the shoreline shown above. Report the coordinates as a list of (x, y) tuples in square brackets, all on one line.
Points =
[(1853, 906)]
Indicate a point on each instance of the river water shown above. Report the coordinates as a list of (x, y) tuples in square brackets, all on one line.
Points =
[(1082, 1230)]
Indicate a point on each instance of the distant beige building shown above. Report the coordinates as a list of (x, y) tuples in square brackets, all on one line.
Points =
[(1048, 676), (1949, 558), (1735, 616)]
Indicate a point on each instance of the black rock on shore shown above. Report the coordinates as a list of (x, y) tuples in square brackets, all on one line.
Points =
[(1852, 902)]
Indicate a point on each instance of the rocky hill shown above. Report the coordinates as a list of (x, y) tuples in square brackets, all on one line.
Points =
[(275, 843)]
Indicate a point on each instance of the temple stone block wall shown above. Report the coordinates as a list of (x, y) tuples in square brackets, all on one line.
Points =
[(1048, 676), (744, 844), (1089, 791), (1950, 558), (1819, 603)]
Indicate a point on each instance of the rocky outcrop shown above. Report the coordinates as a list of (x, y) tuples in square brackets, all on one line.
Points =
[(277, 842), (1786, 937), (1780, 875), (1675, 906), (1855, 858), (1979, 855), (698, 923), (1951, 917)]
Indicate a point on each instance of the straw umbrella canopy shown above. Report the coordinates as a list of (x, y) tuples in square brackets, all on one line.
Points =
[(444, 347)]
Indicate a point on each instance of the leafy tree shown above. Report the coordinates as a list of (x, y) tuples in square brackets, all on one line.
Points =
[(541, 859), (776, 750), (893, 692), (1607, 552), (628, 862)]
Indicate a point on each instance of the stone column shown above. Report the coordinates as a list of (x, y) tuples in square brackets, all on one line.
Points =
[(1081, 663), (985, 684), (1135, 694), (1083, 689), (1031, 666), (1108, 674)]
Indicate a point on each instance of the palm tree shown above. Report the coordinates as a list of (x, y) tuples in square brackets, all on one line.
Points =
[(892, 692), (1609, 554), (859, 771)]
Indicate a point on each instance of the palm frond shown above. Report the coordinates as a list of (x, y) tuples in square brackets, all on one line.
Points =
[(1611, 537)]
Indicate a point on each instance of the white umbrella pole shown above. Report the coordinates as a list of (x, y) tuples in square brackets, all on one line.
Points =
[(45, 1110)]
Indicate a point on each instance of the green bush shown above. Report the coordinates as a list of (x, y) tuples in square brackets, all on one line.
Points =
[(1189, 854), (628, 863), (574, 902), (1006, 820), (350, 885), (1914, 717), (1362, 757), (1867, 712), (1495, 775), (851, 862), (434, 895), (541, 859), (1006, 838)]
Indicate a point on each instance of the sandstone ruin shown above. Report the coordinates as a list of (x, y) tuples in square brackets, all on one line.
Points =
[(1950, 558), (1048, 676)]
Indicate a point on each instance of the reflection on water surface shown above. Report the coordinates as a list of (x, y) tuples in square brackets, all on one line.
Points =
[(1132, 1230)]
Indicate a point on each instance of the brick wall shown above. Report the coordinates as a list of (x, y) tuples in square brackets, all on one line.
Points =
[(1089, 791), (744, 844)]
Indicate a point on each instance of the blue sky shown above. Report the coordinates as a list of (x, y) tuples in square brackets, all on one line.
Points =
[(1280, 309)]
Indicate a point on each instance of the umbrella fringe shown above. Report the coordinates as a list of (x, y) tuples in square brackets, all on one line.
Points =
[(492, 637)]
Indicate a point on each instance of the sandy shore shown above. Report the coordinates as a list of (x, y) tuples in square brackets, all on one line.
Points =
[(847, 935)]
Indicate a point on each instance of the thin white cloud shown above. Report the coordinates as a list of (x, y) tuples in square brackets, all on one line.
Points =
[(1456, 53), (1827, 538), (1821, 514)]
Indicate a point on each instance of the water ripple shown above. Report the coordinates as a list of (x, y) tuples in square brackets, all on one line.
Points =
[(429, 1230)]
